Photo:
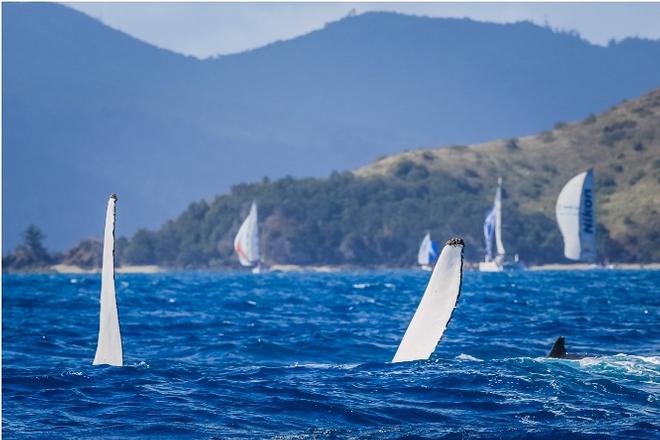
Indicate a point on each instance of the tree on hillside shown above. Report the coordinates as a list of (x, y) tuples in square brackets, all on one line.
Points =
[(87, 254), (31, 255), (140, 250), (33, 239)]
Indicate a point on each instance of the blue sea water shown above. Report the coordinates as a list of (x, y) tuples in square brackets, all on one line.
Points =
[(307, 356)]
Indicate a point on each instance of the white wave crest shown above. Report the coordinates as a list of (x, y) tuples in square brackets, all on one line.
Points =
[(72, 373), (642, 366), (322, 366), (142, 365), (467, 357)]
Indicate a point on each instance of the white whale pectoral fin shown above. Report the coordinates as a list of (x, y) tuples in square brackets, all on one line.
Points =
[(436, 307), (109, 346)]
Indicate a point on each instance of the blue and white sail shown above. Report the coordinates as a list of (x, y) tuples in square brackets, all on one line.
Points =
[(576, 217), (489, 233), (109, 345), (246, 243), (428, 251), (493, 225)]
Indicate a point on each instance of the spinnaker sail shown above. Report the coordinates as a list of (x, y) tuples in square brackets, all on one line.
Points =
[(576, 217)]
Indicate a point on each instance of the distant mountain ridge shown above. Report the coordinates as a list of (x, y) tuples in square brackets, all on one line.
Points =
[(89, 110)]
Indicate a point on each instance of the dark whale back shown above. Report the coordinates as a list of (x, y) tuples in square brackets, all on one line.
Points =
[(559, 351)]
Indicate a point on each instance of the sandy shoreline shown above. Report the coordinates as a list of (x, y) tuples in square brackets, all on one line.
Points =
[(69, 269), (585, 266), (297, 268), (294, 268)]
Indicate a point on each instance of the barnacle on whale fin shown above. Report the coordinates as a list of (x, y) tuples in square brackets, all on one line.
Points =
[(113, 196), (455, 242)]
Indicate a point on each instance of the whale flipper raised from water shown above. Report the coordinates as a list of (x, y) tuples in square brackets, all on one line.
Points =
[(109, 346), (436, 307)]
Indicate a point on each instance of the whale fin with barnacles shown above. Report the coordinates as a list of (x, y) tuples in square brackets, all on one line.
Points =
[(436, 306)]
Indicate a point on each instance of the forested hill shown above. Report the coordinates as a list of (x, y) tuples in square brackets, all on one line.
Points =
[(378, 214), (88, 110)]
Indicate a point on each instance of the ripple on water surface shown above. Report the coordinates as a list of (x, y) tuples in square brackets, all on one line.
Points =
[(307, 356)]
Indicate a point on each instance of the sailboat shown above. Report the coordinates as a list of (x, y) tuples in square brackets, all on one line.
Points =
[(109, 345), (577, 218), (428, 253), (436, 306), (493, 232), (246, 243)]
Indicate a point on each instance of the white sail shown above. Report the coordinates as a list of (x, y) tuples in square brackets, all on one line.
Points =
[(436, 307), (425, 251), (109, 346), (576, 217), (497, 206), (246, 242)]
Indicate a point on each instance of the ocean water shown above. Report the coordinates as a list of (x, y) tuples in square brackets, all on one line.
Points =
[(307, 356)]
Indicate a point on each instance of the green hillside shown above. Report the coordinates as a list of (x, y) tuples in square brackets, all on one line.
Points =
[(378, 214), (623, 147)]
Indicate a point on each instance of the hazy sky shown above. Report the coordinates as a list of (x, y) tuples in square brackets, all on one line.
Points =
[(207, 29)]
